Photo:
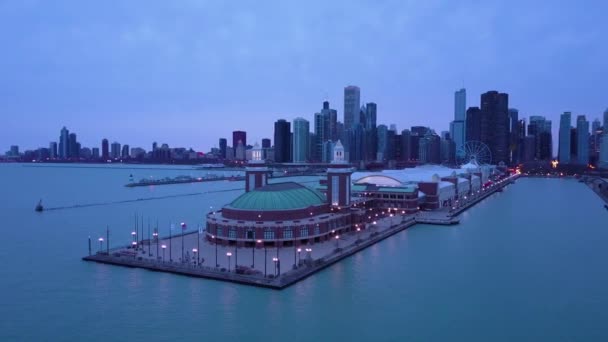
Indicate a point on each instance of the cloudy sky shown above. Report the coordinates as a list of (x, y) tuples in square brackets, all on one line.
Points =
[(188, 72)]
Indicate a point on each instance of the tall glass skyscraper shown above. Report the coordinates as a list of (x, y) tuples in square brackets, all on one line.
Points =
[(301, 136), (582, 135), (282, 141), (565, 123), (457, 127), (352, 105), (64, 143)]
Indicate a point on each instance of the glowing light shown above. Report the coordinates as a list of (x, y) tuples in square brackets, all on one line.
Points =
[(554, 163)]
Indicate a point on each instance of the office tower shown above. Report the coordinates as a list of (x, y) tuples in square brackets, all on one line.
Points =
[(325, 128), (236, 137), (266, 143), (458, 126), (430, 148), (448, 150), (53, 150), (582, 136), (514, 135), (473, 124), (223, 144), (573, 145), (73, 146), (603, 160), (64, 143), (419, 130), (371, 133), (115, 150), (301, 136), (594, 142), (495, 125), (229, 153), (282, 141), (95, 153), (540, 127), (406, 149), (605, 122), (240, 151), (565, 124), (125, 151), (371, 113), (356, 146), (105, 150), (382, 146), (352, 104), (14, 151), (529, 148)]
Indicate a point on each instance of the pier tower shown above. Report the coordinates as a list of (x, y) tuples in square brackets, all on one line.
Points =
[(256, 174), (338, 179)]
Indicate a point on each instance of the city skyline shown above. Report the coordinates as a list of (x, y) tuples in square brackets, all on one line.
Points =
[(107, 78)]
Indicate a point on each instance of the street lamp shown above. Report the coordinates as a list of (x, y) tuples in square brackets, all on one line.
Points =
[(228, 254), (276, 261), (253, 253), (194, 250), (309, 252), (100, 244), (215, 241), (299, 251), (155, 234), (337, 241), (163, 247)]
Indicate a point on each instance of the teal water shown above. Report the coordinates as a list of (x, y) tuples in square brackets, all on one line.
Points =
[(526, 264)]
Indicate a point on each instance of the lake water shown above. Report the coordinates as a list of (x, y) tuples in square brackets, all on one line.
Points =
[(526, 264)]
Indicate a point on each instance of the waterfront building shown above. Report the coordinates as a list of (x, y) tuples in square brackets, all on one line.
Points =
[(603, 160), (565, 125), (457, 127), (64, 143), (115, 150), (382, 145), (229, 153), (495, 124), (352, 104), (515, 135), (105, 150), (582, 133), (53, 150), (300, 144), (125, 151), (223, 144), (236, 137), (282, 141), (95, 153)]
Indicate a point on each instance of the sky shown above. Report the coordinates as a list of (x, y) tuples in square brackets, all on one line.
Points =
[(188, 72)]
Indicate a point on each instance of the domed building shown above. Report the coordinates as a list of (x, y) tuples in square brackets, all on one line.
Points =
[(283, 214)]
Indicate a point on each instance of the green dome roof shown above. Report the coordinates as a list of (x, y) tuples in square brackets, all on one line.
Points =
[(279, 196)]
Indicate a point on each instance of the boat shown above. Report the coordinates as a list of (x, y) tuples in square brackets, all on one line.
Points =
[(39, 206)]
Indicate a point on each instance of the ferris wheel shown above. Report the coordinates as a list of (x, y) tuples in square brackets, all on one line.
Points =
[(474, 152)]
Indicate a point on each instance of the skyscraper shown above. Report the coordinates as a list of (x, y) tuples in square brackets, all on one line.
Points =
[(582, 136), (64, 143), (124, 154), (382, 134), (540, 127), (282, 141), (565, 123), (473, 124), (53, 150), (301, 135), (605, 123), (514, 135), (352, 104), (223, 144), (115, 150), (458, 126), (105, 150), (495, 124), (73, 146), (236, 137)]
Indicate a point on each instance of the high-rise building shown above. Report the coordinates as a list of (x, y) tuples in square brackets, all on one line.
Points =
[(282, 141), (603, 161), (95, 153), (430, 148), (301, 136), (105, 150), (540, 127), (495, 125), (14, 151), (515, 135), (240, 151), (529, 148), (605, 122), (582, 133), (125, 151), (382, 146), (565, 124), (115, 150), (371, 113), (64, 143), (473, 124), (458, 126), (236, 137), (595, 141), (73, 146), (266, 143), (406, 153), (53, 150), (573, 145), (352, 104), (223, 144)]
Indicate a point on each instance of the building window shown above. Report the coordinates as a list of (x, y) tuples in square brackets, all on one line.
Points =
[(304, 232), (335, 190), (219, 231), (268, 234), (288, 233), (232, 233), (317, 230)]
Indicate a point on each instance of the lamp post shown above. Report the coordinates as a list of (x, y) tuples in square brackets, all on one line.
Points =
[(265, 262), (276, 261), (155, 235), (228, 254), (309, 252), (194, 250), (163, 247), (299, 258), (100, 244), (337, 241), (215, 241), (183, 225)]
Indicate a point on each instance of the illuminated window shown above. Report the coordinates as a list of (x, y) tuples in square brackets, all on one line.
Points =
[(304, 232)]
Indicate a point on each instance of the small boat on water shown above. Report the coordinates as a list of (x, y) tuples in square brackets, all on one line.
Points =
[(39, 206)]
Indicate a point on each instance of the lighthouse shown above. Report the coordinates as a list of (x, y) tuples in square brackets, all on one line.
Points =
[(256, 174)]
